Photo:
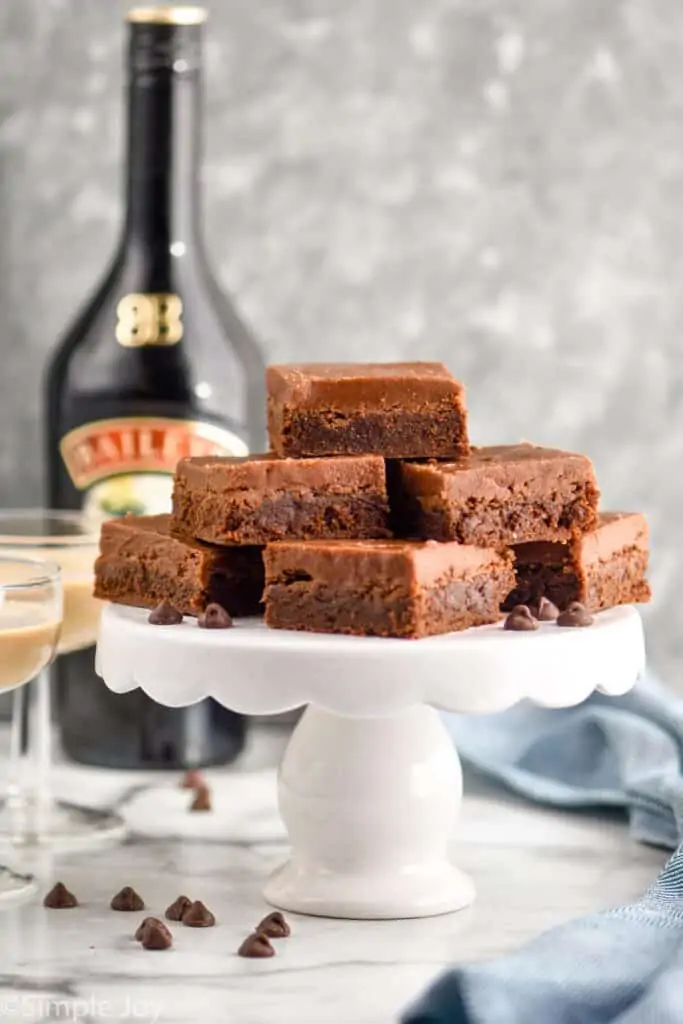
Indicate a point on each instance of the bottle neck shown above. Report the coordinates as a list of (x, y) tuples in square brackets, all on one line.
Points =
[(164, 153)]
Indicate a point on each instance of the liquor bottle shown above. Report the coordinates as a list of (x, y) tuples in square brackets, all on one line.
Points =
[(158, 365)]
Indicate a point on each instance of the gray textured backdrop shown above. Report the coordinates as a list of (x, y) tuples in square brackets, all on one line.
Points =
[(497, 183)]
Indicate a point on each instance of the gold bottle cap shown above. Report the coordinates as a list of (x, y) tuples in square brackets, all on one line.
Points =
[(168, 14)]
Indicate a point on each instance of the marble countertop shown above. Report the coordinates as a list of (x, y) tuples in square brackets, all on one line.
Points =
[(534, 868)]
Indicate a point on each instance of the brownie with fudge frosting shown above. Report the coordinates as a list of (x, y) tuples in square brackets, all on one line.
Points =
[(496, 496), (605, 567), (394, 588), (141, 563)]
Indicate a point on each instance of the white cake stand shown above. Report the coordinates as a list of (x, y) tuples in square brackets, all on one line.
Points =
[(370, 785)]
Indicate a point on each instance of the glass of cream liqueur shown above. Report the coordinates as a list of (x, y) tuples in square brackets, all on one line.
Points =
[(31, 612), (30, 814)]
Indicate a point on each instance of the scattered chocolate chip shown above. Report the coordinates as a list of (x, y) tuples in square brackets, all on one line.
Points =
[(177, 908), (256, 945), (546, 611), (141, 928), (198, 916), (59, 898), (214, 617), (520, 618), (165, 615), (274, 926), (192, 779), (127, 899), (154, 934), (575, 615), (202, 799)]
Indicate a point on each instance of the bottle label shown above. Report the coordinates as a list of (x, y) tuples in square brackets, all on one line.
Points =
[(126, 465), (149, 319)]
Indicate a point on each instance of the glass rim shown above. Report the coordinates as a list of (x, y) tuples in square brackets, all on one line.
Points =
[(48, 515), (51, 573)]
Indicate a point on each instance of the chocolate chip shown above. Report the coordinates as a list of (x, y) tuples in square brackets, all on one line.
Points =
[(215, 617), (127, 899), (192, 779), (575, 615), (274, 926), (141, 928), (546, 611), (256, 945), (177, 908), (520, 618), (165, 615), (59, 898), (202, 799), (153, 934), (198, 916)]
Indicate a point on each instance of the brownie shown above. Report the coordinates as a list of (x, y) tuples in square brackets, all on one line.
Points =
[(263, 498), (141, 563), (393, 588), (602, 568), (496, 496), (397, 410)]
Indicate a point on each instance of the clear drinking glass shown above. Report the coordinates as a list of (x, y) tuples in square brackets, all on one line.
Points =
[(31, 609), (30, 814)]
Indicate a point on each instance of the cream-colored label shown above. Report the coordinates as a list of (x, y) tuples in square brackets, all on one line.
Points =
[(127, 465)]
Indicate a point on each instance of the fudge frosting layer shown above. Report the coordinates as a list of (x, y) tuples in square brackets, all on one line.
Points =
[(384, 561), (351, 386), (615, 532), (147, 536), (501, 472), (268, 474)]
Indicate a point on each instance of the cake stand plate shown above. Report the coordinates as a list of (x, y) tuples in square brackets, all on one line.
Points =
[(370, 785)]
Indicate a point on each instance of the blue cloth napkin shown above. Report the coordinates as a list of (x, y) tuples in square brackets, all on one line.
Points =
[(622, 966)]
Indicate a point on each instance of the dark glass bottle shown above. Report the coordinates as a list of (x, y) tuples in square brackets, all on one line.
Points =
[(157, 365)]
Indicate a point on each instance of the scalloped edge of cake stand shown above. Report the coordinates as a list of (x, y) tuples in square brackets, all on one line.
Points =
[(255, 670)]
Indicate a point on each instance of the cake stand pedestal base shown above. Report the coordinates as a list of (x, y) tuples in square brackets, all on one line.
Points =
[(370, 786), (370, 805)]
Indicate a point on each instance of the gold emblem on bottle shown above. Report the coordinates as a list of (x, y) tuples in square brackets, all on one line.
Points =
[(152, 319)]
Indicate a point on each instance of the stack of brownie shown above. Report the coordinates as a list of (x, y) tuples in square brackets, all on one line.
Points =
[(373, 516)]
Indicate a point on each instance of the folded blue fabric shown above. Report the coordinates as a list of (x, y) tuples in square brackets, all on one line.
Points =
[(623, 966), (609, 751)]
